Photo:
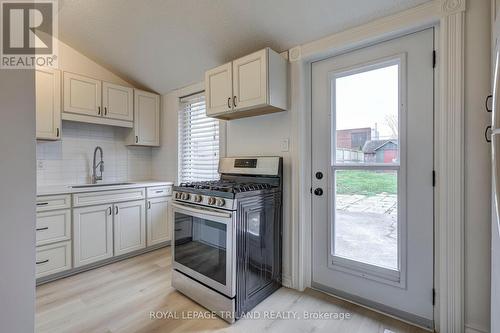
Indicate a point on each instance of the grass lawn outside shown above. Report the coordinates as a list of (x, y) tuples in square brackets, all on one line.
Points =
[(367, 183)]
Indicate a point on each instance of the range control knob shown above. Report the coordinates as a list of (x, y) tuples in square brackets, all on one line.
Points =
[(185, 196), (211, 201), (177, 195), (198, 198), (220, 202)]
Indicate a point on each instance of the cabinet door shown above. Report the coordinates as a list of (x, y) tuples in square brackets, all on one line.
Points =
[(130, 226), (82, 95), (250, 80), (158, 220), (118, 101), (219, 89), (48, 104), (93, 234), (147, 118)]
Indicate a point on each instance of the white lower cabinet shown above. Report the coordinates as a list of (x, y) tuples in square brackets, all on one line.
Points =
[(129, 226), (53, 258), (92, 234), (157, 217)]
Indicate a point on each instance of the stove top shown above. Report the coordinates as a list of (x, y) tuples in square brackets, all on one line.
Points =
[(225, 186)]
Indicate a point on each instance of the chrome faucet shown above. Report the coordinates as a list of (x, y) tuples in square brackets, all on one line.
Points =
[(99, 165)]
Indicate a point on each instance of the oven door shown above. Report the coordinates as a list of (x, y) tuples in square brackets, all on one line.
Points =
[(204, 246)]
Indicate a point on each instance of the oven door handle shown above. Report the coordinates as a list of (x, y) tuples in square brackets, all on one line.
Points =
[(202, 211)]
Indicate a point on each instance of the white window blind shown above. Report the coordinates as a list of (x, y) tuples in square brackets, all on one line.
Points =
[(198, 141)]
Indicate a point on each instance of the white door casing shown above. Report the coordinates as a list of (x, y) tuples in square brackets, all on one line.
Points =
[(414, 53)]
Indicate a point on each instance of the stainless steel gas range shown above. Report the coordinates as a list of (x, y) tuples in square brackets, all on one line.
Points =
[(227, 236)]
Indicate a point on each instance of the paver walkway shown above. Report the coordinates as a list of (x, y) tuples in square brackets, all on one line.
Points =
[(366, 229)]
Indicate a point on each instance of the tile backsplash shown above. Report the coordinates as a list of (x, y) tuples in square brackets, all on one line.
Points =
[(69, 161)]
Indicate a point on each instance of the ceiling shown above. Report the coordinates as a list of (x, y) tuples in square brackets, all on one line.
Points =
[(167, 44)]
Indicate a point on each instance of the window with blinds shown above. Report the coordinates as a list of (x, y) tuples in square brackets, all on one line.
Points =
[(198, 141)]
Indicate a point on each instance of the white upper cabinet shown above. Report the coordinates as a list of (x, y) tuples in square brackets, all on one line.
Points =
[(129, 227), (117, 101), (146, 119), (258, 85), (82, 95), (250, 80), (48, 104), (219, 89)]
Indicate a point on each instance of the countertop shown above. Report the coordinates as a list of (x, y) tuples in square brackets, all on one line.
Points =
[(68, 189)]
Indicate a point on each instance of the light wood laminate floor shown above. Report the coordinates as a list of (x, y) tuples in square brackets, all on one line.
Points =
[(119, 298)]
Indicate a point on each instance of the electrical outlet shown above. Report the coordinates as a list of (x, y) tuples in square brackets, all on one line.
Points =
[(39, 165), (285, 145)]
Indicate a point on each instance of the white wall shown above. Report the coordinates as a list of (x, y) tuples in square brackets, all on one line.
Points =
[(477, 166), (259, 136), (17, 200)]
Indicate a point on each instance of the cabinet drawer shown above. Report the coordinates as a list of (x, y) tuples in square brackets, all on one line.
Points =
[(159, 191), (53, 202), (53, 226), (53, 258), (107, 197)]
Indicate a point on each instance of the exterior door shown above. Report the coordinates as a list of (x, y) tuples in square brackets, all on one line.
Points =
[(129, 226), (250, 80), (157, 220), (48, 104), (372, 144), (219, 89), (82, 95), (93, 234), (118, 101), (147, 118)]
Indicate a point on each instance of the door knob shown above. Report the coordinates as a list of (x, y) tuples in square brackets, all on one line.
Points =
[(318, 191)]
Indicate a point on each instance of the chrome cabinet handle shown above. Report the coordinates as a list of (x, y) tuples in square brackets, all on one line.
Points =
[(98, 110), (136, 139), (110, 211), (105, 111), (42, 262), (41, 229), (149, 204), (57, 132), (229, 102), (234, 101), (116, 210), (42, 203)]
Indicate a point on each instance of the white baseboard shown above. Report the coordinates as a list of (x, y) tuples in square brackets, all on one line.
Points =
[(471, 328)]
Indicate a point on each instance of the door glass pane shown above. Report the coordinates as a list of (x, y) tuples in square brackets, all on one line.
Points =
[(366, 115), (200, 244), (366, 217)]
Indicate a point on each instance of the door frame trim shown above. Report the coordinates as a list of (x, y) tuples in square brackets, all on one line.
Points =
[(448, 17)]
